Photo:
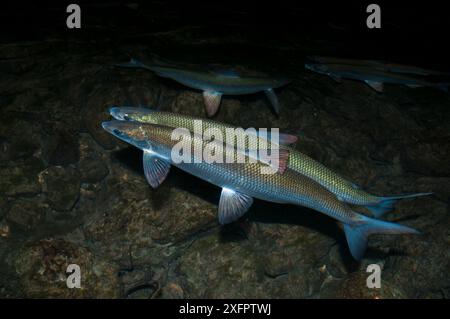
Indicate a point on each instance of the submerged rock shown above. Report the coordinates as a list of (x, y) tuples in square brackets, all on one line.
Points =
[(92, 167), (61, 185), (355, 287), (64, 148), (42, 265), (63, 176), (21, 177), (25, 214)]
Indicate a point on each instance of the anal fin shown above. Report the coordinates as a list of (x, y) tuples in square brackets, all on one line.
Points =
[(233, 205)]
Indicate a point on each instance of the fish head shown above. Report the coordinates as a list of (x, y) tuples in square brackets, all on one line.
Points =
[(317, 67), (129, 132), (127, 113)]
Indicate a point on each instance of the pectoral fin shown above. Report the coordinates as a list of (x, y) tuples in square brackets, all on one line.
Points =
[(273, 100), (377, 86), (212, 102), (233, 205), (155, 168)]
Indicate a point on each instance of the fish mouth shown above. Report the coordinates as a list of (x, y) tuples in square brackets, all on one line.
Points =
[(115, 112), (109, 127), (117, 128)]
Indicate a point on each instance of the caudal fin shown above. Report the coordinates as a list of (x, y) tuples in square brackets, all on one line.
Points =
[(386, 204), (358, 234)]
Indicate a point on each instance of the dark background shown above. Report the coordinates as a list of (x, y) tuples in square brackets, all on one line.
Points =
[(411, 31)]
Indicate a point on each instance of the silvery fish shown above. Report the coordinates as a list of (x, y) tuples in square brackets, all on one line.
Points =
[(379, 64), (371, 76), (241, 182), (214, 83), (344, 190)]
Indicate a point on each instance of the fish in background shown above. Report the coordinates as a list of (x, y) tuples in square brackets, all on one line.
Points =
[(213, 81), (379, 65), (373, 77), (345, 190), (241, 182)]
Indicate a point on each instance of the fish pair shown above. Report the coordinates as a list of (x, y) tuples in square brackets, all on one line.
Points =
[(374, 72), (213, 82), (305, 182)]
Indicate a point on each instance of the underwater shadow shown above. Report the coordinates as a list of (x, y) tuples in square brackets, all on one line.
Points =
[(130, 157), (261, 211)]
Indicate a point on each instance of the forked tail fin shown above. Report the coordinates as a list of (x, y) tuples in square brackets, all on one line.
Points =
[(358, 234), (386, 204)]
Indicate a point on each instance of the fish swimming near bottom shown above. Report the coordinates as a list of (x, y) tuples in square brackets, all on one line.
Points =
[(243, 181), (214, 82), (345, 190), (371, 76), (379, 65)]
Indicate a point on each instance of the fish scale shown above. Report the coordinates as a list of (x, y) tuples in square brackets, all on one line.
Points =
[(290, 187), (298, 161), (243, 181)]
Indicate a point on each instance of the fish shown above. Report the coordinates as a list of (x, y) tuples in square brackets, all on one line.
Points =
[(371, 76), (380, 65), (345, 190), (215, 82), (241, 182)]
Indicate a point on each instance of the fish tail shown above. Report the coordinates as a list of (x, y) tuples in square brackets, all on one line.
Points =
[(386, 204), (357, 234)]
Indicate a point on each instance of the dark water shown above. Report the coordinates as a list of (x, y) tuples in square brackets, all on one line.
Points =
[(72, 194)]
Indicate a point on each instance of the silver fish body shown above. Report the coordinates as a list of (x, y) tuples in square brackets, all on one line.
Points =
[(243, 181), (297, 161), (215, 83)]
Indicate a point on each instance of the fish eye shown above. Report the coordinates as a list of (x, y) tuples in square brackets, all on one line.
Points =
[(126, 117)]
